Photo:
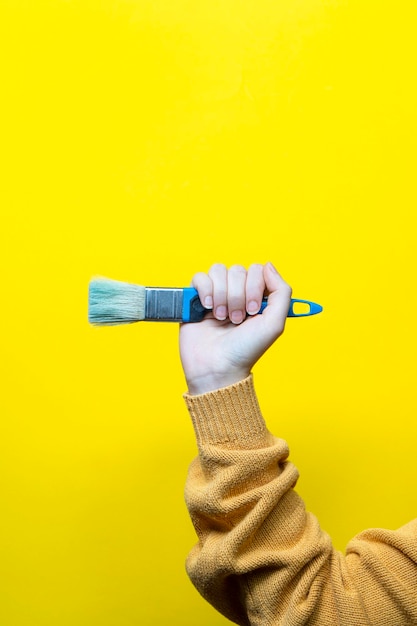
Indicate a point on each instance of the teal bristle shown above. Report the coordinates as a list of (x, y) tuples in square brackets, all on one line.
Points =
[(112, 302)]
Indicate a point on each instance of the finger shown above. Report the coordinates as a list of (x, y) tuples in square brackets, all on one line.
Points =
[(218, 276), (204, 286), (255, 288), (236, 293), (278, 299)]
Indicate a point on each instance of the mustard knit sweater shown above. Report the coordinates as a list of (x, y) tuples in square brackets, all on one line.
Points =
[(261, 558)]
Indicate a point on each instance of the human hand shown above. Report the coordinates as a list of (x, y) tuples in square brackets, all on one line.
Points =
[(223, 348)]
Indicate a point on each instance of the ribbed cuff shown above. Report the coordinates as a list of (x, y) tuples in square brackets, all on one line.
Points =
[(230, 414)]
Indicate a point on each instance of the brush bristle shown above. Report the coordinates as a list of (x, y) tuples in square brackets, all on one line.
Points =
[(112, 302)]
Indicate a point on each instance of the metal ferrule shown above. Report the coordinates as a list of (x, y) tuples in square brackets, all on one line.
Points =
[(164, 305)]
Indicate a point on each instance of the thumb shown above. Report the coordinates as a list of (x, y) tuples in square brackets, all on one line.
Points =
[(279, 299)]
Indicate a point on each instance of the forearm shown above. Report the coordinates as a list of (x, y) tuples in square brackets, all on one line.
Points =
[(260, 554)]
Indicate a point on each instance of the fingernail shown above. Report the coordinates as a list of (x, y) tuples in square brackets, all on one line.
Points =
[(273, 268), (236, 317), (253, 307), (221, 313), (208, 302)]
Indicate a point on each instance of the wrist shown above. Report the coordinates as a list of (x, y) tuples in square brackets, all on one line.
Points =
[(211, 382)]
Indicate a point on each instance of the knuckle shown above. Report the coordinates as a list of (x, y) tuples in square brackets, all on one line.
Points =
[(200, 280), (199, 276), (239, 269), (217, 268), (280, 329)]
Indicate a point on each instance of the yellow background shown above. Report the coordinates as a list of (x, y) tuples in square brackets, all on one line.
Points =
[(144, 140)]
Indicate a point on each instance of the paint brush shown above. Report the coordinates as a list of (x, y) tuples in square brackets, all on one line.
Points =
[(112, 302)]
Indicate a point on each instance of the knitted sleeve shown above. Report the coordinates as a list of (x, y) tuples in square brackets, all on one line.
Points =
[(262, 559)]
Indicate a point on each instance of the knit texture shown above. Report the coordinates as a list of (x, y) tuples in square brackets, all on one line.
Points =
[(224, 416), (262, 559)]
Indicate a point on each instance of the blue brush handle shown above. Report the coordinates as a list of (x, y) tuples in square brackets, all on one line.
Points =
[(193, 310)]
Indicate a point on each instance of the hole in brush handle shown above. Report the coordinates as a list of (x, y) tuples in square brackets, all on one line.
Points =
[(303, 308)]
